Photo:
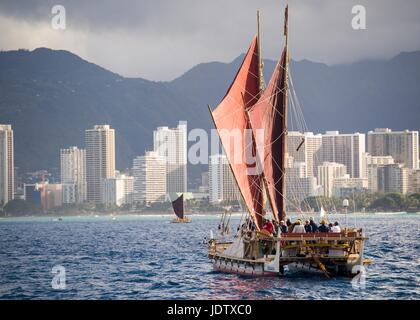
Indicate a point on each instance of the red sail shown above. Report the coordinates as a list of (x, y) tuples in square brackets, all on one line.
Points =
[(178, 206), (231, 121), (269, 114)]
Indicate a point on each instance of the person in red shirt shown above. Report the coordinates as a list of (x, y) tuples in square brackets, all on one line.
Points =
[(268, 226)]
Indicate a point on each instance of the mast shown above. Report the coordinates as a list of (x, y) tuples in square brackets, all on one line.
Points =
[(260, 63), (270, 114), (285, 97), (262, 87)]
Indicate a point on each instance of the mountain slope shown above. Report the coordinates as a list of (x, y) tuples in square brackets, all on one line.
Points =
[(50, 97), (353, 97)]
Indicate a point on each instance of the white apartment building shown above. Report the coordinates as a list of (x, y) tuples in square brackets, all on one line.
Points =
[(100, 160), (299, 186), (327, 172), (305, 147), (69, 193), (345, 186), (372, 163), (149, 173), (393, 178), (347, 149), (403, 146), (171, 143), (6, 164), (73, 174), (118, 191), (222, 184), (414, 181)]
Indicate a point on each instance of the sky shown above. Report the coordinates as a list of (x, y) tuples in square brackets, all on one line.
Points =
[(161, 39)]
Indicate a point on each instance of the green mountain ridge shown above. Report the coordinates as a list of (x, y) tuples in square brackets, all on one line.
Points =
[(51, 96)]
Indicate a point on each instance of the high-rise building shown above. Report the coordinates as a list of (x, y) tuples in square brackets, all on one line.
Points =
[(347, 149), (6, 164), (222, 185), (171, 143), (372, 163), (305, 147), (17, 181), (299, 186), (393, 178), (51, 195), (403, 146), (204, 187), (327, 172), (149, 173), (414, 181), (69, 193), (73, 174), (118, 190), (100, 160), (346, 186)]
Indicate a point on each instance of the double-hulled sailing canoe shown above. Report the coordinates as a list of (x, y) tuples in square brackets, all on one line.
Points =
[(248, 106), (178, 206)]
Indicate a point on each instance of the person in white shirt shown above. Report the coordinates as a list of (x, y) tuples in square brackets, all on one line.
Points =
[(298, 228), (336, 228)]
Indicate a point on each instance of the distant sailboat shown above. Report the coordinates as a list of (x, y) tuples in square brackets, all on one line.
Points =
[(178, 206)]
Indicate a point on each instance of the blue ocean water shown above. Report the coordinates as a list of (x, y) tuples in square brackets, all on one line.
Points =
[(147, 257)]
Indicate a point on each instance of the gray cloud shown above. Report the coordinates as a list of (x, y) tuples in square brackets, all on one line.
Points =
[(160, 39)]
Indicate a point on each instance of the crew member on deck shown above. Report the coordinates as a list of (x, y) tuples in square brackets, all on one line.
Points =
[(268, 226), (336, 228), (323, 226), (283, 227), (251, 225), (308, 227), (276, 227), (298, 228), (290, 226), (313, 225)]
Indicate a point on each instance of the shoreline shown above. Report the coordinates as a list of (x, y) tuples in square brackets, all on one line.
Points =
[(196, 214)]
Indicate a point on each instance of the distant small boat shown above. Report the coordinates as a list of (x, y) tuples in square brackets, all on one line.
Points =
[(178, 206)]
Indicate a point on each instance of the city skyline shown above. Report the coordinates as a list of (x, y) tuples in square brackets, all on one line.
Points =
[(378, 172)]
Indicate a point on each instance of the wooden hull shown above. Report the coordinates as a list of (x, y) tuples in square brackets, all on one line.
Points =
[(258, 269), (331, 255), (241, 268), (183, 220)]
